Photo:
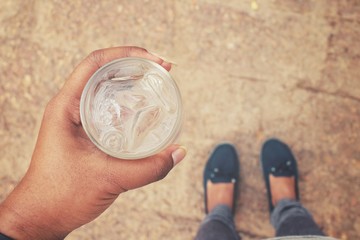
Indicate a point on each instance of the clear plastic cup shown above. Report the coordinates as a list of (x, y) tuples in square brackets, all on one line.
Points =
[(131, 108)]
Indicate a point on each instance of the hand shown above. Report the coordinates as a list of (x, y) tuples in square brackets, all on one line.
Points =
[(70, 182)]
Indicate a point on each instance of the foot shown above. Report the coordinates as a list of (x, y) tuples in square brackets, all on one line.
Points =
[(221, 176), (282, 188), (280, 172), (219, 193)]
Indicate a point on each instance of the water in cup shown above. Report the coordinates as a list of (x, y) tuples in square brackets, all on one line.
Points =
[(131, 108)]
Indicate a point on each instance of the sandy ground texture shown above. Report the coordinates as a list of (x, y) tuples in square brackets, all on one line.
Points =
[(248, 70)]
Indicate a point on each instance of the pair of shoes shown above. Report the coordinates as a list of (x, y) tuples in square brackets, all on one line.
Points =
[(223, 167)]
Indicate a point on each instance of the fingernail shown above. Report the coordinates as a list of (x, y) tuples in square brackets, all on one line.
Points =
[(163, 58), (178, 155)]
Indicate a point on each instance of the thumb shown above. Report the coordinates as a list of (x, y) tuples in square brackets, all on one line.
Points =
[(132, 174)]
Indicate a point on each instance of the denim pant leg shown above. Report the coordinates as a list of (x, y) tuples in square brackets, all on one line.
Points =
[(218, 224), (290, 218)]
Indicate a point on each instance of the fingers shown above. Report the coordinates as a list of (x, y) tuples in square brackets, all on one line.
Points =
[(130, 174), (82, 73)]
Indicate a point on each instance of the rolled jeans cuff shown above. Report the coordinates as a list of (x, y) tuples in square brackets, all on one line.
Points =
[(290, 218), (280, 213), (220, 215)]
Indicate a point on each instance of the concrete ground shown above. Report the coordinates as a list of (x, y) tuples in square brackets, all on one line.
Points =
[(247, 69)]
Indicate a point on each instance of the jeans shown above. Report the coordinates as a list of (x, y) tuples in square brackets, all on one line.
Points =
[(289, 218), (218, 224)]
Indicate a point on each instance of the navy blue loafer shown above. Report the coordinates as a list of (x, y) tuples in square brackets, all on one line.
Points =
[(222, 167), (277, 159)]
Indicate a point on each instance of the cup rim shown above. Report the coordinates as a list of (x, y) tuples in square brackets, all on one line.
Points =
[(171, 137)]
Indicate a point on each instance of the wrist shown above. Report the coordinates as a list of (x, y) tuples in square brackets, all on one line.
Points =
[(23, 217), (10, 224), (4, 237), (15, 226)]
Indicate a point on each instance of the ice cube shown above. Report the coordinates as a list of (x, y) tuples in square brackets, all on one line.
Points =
[(113, 140), (163, 91), (144, 121)]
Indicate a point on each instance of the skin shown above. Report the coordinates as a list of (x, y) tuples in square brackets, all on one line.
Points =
[(282, 188), (219, 193), (70, 182)]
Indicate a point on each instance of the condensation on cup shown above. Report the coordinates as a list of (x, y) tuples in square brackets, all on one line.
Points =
[(131, 108)]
